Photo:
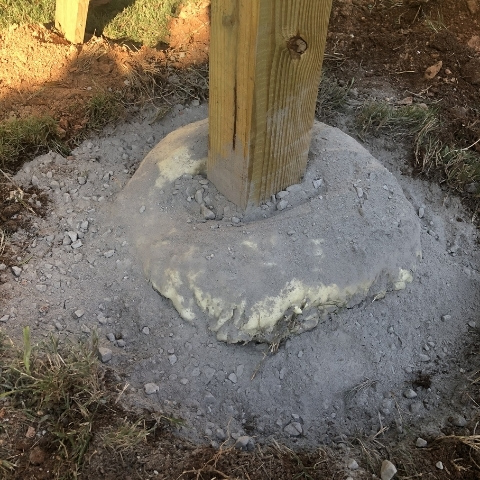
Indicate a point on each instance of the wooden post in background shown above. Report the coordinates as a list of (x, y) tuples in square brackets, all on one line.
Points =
[(265, 67), (71, 19)]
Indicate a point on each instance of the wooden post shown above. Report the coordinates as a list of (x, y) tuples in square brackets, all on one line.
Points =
[(265, 67), (71, 19)]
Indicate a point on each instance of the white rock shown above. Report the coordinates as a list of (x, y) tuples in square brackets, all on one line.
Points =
[(439, 465), (79, 313), (16, 271), (77, 244), (294, 429), (233, 378), (282, 205), (105, 354), (421, 443), (109, 253), (4, 318), (409, 393), (352, 465), (151, 388), (388, 470)]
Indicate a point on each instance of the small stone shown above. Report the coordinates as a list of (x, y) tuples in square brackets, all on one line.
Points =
[(77, 244), (421, 443), (233, 378), (424, 358), (388, 470), (146, 330), (472, 324), (79, 313), (282, 205), (4, 318), (458, 420), (41, 288), (195, 103), (142, 209), (207, 213), (220, 434), (16, 271), (34, 180), (84, 329), (105, 354), (209, 399), (282, 194), (439, 465), (3, 267), (30, 432), (172, 359), (121, 343), (199, 196), (82, 180), (318, 183), (359, 191), (235, 220), (58, 326), (245, 443), (184, 381), (109, 253), (409, 393), (111, 336), (446, 318), (352, 465), (151, 388), (293, 429), (421, 212)]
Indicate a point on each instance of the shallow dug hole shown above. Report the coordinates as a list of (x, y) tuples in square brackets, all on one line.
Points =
[(358, 372)]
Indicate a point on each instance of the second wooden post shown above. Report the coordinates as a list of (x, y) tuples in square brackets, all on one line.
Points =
[(265, 67)]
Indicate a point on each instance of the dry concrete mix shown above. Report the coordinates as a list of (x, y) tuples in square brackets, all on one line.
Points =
[(357, 372)]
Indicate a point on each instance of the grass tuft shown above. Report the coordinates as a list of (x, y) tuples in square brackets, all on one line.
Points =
[(143, 22), (404, 120), (103, 108), (26, 11), (21, 139), (331, 97), (63, 388)]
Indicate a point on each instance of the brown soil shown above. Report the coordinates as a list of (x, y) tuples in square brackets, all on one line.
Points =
[(394, 43), (381, 44)]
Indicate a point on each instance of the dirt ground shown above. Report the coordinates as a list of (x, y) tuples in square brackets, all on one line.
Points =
[(385, 47)]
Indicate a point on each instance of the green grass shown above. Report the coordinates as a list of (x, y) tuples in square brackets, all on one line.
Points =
[(144, 21), (331, 96), (459, 167), (63, 388), (139, 21), (103, 108), (21, 139), (26, 11)]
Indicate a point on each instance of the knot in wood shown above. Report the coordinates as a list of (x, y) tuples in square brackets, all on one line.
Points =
[(297, 46)]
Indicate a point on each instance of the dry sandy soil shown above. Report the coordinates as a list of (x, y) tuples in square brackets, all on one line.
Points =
[(354, 401)]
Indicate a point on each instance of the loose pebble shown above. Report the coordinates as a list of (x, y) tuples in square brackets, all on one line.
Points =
[(16, 271), (439, 465), (245, 443), (421, 443), (233, 378), (352, 465), (105, 354), (458, 420), (409, 393), (388, 470), (109, 253), (151, 388), (172, 359), (79, 313), (282, 205), (293, 429)]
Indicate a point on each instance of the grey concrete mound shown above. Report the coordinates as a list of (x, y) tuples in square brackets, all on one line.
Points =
[(345, 234)]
